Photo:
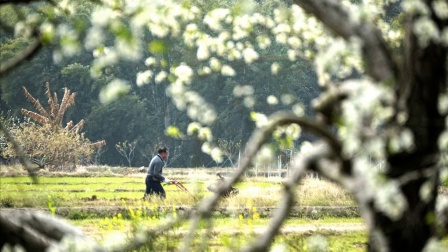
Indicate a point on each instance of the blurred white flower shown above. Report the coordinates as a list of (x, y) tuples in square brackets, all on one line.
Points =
[(184, 73), (275, 68), (263, 41), (259, 119), (216, 154), (292, 55), (204, 71), (272, 100), (227, 70), (434, 245), (298, 109), (161, 76), (215, 64), (390, 200), (115, 240), (150, 61), (443, 104), (203, 52), (114, 90), (264, 156), (249, 102), (193, 128), (287, 99), (205, 134), (317, 243), (426, 30), (250, 55), (144, 77)]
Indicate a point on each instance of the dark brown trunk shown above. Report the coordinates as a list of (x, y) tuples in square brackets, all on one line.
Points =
[(422, 79)]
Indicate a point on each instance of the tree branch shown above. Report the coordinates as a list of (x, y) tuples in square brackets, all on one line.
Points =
[(26, 54), (259, 137), (299, 166), (334, 16), (24, 1), (36, 231)]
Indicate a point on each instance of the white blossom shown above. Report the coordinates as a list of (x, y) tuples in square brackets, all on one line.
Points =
[(215, 64), (317, 243), (204, 71), (443, 104), (205, 133), (214, 18), (287, 99), (144, 77), (390, 200), (216, 154), (259, 119), (114, 90), (264, 156), (102, 16), (275, 68), (292, 55), (250, 55), (94, 38), (272, 100), (249, 102), (184, 73), (281, 38), (294, 42), (263, 41), (298, 110), (426, 30), (440, 7), (203, 53), (193, 128), (150, 61), (434, 245), (227, 70), (161, 76)]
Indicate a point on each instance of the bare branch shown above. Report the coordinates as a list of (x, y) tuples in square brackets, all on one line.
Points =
[(38, 231), (26, 54), (258, 138), (19, 1), (299, 166), (26, 1), (380, 65)]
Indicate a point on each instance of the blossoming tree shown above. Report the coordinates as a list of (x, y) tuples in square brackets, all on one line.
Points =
[(383, 90)]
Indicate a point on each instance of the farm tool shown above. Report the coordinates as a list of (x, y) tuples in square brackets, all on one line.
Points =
[(182, 187)]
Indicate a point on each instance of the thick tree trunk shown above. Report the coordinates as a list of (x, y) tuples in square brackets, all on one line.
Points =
[(412, 231), (422, 79)]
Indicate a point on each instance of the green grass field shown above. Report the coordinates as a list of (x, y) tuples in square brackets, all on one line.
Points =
[(107, 205)]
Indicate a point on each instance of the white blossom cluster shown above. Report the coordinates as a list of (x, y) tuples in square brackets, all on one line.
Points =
[(51, 30), (363, 115), (386, 194), (425, 28), (224, 35), (338, 60)]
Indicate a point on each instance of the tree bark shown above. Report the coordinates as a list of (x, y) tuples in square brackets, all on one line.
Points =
[(419, 78)]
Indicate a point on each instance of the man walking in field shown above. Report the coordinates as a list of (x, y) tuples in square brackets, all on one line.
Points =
[(154, 178)]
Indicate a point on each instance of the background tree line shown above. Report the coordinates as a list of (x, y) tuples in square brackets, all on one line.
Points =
[(144, 114)]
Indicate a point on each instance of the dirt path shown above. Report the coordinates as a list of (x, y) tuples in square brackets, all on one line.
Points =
[(305, 228), (328, 228)]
